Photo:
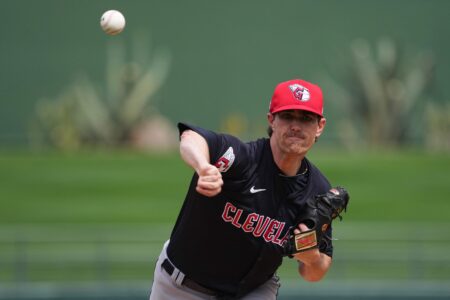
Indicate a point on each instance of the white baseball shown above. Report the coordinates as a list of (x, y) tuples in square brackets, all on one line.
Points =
[(112, 22)]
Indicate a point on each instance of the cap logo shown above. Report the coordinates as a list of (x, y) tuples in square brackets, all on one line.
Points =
[(300, 92)]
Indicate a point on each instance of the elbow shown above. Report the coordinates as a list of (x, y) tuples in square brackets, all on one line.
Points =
[(186, 135), (313, 278), (187, 138), (315, 272)]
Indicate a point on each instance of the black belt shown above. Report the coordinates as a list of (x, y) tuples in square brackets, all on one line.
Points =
[(167, 265)]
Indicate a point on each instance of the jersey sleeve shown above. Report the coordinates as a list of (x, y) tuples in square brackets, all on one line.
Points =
[(229, 154)]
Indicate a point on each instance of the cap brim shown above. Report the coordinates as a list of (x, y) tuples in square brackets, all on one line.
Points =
[(297, 107)]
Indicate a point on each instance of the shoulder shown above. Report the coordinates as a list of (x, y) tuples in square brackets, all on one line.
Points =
[(229, 153)]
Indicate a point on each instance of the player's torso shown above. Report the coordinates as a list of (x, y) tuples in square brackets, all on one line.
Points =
[(241, 231), (259, 204)]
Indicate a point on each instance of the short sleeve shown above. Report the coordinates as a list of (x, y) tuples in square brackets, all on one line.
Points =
[(229, 154)]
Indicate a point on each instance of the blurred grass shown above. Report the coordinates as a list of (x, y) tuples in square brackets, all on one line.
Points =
[(102, 186), (103, 215), (91, 187), (391, 185)]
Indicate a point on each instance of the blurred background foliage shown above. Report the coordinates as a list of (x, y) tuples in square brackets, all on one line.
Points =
[(385, 95), (382, 65), (122, 116), (85, 216)]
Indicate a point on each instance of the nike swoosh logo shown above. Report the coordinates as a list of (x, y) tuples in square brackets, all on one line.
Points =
[(253, 190)]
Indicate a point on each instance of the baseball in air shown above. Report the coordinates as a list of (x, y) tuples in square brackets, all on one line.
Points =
[(112, 22)]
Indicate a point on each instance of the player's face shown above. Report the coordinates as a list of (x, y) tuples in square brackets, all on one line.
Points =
[(295, 131)]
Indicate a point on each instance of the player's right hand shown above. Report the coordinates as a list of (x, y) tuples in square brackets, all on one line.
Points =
[(209, 181)]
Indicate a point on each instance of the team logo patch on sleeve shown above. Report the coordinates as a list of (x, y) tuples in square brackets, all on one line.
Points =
[(226, 160)]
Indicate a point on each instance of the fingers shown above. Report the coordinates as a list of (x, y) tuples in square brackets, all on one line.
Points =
[(209, 181), (208, 192), (301, 228)]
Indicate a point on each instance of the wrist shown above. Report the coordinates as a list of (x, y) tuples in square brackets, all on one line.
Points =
[(201, 167)]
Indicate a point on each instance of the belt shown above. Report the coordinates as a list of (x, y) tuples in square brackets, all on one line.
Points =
[(169, 268)]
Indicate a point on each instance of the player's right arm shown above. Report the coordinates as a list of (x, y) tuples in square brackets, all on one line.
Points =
[(195, 152)]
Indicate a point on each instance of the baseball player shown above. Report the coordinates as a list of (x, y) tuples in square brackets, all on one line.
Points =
[(243, 206)]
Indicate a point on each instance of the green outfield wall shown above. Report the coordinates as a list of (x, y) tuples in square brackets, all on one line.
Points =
[(226, 56)]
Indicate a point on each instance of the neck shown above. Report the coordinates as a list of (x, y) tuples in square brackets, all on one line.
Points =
[(288, 163)]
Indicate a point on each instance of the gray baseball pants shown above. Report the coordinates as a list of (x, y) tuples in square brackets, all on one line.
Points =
[(166, 287)]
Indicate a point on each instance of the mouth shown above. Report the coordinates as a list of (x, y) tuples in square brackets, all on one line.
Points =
[(295, 136)]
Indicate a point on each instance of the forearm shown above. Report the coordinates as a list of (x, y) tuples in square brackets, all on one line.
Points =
[(194, 150), (316, 270)]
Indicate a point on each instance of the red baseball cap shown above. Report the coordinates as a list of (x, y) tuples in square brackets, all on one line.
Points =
[(297, 94)]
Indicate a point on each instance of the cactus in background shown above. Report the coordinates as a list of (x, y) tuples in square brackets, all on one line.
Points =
[(386, 95), (82, 116), (438, 127)]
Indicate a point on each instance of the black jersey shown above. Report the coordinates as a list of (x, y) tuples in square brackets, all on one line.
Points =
[(232, 242)]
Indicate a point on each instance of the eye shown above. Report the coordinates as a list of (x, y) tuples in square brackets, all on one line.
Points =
[(286, 116), (306, 118)]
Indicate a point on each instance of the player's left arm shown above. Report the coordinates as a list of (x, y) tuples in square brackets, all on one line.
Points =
[(313, 264), (313, 247)]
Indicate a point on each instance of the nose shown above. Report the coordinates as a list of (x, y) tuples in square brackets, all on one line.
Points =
[(296, 125)]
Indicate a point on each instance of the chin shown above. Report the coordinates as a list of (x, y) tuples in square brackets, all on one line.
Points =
[(300, 152), (296, 149)]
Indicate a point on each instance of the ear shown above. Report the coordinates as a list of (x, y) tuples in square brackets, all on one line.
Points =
[(321, 126), (270, 118)]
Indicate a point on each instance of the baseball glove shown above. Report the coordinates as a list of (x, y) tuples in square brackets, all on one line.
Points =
[(320, 211)]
